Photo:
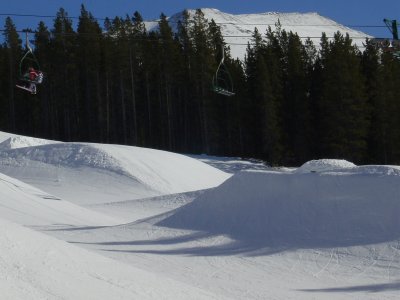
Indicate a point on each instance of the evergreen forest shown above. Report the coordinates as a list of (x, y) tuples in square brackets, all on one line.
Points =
[(118, 83)]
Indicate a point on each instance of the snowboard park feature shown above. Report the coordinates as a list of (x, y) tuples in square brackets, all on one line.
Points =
[(120, 222)]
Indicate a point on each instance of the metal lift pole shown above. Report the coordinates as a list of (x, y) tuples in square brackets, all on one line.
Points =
[(392, 25)]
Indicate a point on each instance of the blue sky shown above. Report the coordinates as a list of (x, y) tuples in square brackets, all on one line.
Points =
[(348, 12)]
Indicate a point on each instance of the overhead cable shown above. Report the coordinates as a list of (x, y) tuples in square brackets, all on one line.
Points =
[(220, 23)]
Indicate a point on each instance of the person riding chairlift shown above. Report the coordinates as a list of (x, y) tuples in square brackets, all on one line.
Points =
[(33, 77)]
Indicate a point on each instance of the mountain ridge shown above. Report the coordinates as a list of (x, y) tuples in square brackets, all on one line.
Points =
[(237, 29)]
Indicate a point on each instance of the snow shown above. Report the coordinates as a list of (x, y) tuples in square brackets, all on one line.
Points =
[(324, 209), (81, 172), (16, 142), (238, 29), (35, 266), (28, 205), (96, 221), (322, 165)]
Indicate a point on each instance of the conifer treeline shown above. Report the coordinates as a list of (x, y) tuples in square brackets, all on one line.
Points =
[(119, 83)]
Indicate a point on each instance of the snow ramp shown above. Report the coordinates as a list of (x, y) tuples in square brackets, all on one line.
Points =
[(314, 206), (97, 173)]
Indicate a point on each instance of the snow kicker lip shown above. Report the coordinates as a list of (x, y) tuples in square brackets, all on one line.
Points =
[(73, 155), (15, 142)]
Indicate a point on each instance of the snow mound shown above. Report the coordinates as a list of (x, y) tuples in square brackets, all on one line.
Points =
[(97, 173), (23, 141), (323, 165), (166, 172), (307, 209)]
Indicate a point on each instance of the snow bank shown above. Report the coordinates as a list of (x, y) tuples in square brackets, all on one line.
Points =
[(35, 266), (360, 205)]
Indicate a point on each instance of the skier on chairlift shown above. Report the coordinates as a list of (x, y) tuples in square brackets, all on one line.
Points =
[(31, 78)]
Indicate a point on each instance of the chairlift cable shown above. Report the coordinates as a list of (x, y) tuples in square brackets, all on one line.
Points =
[(222, 23)]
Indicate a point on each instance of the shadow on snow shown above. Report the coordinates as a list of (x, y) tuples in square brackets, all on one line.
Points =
[(371, 288)]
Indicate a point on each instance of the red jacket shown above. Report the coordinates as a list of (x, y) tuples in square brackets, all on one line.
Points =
[(33, 74)]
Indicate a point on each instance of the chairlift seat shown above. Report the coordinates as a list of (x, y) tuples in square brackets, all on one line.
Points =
[(223, 91)]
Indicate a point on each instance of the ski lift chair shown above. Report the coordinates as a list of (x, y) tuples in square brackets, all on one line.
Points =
[(222, 82)]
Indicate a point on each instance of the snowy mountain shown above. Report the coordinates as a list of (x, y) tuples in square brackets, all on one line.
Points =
[(82, 221), (237, 29)]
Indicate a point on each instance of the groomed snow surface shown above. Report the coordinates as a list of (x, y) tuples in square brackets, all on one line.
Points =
[(94, 221)]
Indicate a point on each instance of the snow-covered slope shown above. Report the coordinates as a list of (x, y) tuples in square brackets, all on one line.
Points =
[(327, 230), (35, 266), (77, 171), (237, 29), (334, 203), (27, 205)]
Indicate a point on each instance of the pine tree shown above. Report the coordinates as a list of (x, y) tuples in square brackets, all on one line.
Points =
[(151, 92), (88, 42), (296, 106), (189, 115), (137, 35), (107, 65), (4, 113), (372, 71), (343, 103), (203, 68), (234, 146), (219, 128), (168, 61), (62, 80), (388, 110), (251, 113), (42, 52), (271, 132), (12, 44), (274, 61), (264, 88)]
